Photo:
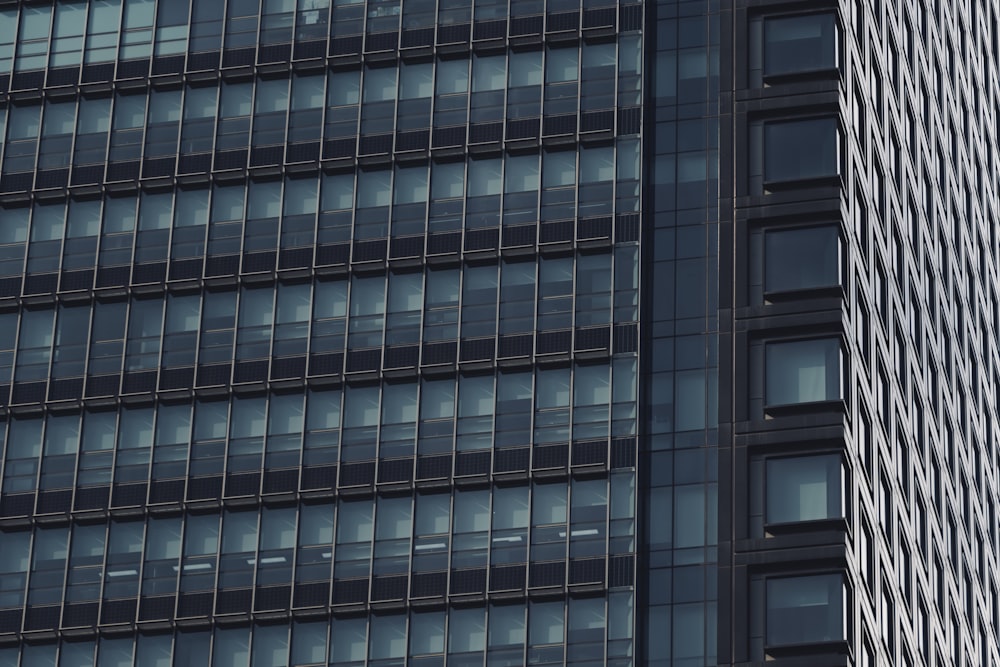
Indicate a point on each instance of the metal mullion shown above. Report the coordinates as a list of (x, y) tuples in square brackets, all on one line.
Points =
[(4, 126), (225, 452), (288, 116), (52, 349), (378, 426), (354, 216), (104, 559), (37, 153), (140, 568), (204, 253), (67, 566), (254, 85), (4, 437), (534, 353), (170, 231), (371, 545), (256, 552), (86, 367), (579, 80), (28, 573), (163, 328), (492, 501), (247, 183), (568, 549), (190, 447), (309, 340), (451, 543), (420, 335)]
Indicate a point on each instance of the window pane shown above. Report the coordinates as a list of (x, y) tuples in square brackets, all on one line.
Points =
[(802, 371), (488, 73), (800, 43), (803, 610), (467, 630), (804, 488), (801, 259), (801, 149)]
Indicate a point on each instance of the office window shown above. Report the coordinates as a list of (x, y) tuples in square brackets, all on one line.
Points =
[(172, 28), (430, 533), (427, 635), (804, 488), (802, 371), (437, 416), (13, 238), (8, 32), (797, 150), (67, 34), (800, 43), (200, 105), (13, 568), (92, 125), (305, 122), (270, 108), (103, 21), (804, 258), (805, 610), (32, 44), (466, 636), (137, 29), (23, 127), (127, 127)]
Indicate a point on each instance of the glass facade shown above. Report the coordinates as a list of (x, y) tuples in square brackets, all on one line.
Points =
[(857, 404), (319, 332), (583, 333)]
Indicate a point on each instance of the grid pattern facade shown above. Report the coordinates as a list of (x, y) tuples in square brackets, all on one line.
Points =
[(399, 332), (860, 487), (319, 332)]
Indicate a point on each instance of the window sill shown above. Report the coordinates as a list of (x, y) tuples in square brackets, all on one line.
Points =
[(812, 407)]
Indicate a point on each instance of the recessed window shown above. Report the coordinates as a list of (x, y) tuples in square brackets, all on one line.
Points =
[(804, 488), (794, 44), (805, 610), (804, 258), (803, 371), (798, 150)]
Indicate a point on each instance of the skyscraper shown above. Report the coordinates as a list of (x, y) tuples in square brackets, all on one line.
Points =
[(393, 332)]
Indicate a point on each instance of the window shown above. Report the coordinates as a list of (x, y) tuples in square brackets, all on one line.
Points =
[(805, 610), (802, 371), (801, 149), (804, 488), (805, 258), (67, 34), (795, 44)]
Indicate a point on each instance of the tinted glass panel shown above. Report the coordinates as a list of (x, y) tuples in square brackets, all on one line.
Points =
[(800, 43), (805, 610), (803, 371), (801, 259), (801, 149), (803, 488)]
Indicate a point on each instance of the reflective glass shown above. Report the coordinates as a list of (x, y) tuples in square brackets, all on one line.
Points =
[(800, 43), (802, 371), (801, 258)]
